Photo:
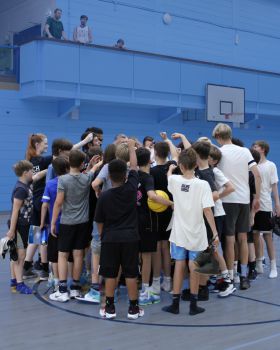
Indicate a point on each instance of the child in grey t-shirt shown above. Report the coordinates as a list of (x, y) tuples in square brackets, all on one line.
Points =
[(73, 202)]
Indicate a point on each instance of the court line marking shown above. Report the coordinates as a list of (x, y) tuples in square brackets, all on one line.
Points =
[(46, 302), (257, 300), (254, 342)]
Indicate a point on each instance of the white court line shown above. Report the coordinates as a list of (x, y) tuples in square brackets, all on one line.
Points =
[(253, 342)]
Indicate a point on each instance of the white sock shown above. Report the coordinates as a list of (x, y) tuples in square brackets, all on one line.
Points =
[(273, 264), (167, 278), (156, 285), (56, 281), (230, 272), (145, 286), (225, 274)]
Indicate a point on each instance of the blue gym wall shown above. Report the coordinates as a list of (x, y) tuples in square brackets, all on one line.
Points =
[(237, 33)]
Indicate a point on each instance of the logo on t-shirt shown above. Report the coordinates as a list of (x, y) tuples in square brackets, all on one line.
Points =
[(36, 169), (139, 197), (185, 188)]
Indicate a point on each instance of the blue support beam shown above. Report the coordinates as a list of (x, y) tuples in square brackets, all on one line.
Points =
[(67, 107)]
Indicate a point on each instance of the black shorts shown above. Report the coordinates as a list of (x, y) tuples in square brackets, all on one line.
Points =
[(220, 225), (262, 221), (117, 254), (21, 237), (237, 218), (72, 237), (162, 221), (36, 212), (53, 250), (148, 237), (250, 237), (89, 234)]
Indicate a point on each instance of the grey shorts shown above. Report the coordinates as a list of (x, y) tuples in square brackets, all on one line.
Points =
[(96, 241), (237, 218)]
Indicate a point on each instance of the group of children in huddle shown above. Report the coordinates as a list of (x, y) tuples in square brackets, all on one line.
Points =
[(95, 204)]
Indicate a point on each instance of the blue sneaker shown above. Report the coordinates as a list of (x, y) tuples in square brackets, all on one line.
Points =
[(155, 297), (13, 285), (145, 298), (148, 297), (23, 288), (93, 296)]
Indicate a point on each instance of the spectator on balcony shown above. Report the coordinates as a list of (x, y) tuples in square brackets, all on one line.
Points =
[(83, 33), (54, 27), (120, 44)]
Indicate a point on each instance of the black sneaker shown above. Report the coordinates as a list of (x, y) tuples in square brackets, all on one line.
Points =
[(252, 275), (110, 311), (134, 311), (227, 289), (203, 294), (172, 309), (37, 265), (244, 283), (29, 274)]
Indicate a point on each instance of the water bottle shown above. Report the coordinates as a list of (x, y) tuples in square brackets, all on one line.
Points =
[(30, 234), (44, 236)]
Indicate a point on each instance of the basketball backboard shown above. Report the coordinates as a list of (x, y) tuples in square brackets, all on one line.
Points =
[(225, 103)]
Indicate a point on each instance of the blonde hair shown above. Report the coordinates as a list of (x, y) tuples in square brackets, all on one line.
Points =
[(122, 152), (222, 131), (204, 139)]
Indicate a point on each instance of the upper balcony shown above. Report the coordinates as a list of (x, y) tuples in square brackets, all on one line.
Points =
[(9, 67), (70, 73)]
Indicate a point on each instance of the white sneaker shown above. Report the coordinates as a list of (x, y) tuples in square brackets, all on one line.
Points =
[(75, 293), (102, 312), (61, 297), (227, 290), (134, 313), (236, 278), (273, 273), (108, 315), (93, 296), (166, 285)]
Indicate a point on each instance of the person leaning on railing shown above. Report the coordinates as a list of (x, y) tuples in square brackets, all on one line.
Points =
[(83, 33), (54, 27)]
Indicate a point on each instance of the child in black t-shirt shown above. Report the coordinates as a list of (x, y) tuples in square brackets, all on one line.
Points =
[(162, 256), (116, 217), (19, 223), (146, 221)]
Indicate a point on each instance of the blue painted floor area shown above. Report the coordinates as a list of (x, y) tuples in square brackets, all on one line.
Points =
[(246, 320)]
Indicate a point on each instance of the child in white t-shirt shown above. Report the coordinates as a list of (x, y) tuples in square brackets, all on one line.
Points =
[(192, 198), (269, 187)]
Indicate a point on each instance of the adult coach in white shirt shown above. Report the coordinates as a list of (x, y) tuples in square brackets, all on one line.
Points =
[(83, 33), (235, 164), (268, 172)]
